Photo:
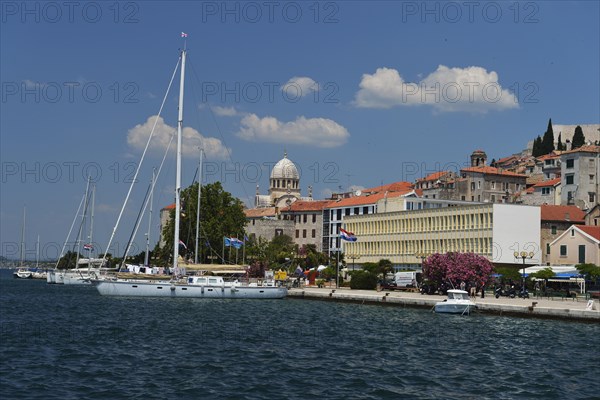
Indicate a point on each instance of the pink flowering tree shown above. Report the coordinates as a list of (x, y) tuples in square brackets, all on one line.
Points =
[(457, 267)]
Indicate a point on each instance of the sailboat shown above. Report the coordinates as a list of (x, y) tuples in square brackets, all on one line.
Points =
[(22, 272), (192, 286)]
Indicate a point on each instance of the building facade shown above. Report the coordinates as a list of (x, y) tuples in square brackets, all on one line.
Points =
[(555, 219), (577, 245), (308, 222), (492, 230), (579, 176)]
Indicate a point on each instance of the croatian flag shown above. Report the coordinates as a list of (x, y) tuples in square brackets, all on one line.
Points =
[(88, 246), (348, 236), (183, 34)]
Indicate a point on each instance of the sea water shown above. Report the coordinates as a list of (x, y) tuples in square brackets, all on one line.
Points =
[(68, 342)]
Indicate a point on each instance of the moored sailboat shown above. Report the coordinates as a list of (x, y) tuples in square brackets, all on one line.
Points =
[(192, 286)]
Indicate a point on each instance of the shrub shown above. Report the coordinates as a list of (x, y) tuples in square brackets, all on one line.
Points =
[(363, 280)]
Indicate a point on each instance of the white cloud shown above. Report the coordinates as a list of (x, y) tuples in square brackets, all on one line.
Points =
[(319, 132), (191, 139), (471, 89), (299, 86), (225, 111)]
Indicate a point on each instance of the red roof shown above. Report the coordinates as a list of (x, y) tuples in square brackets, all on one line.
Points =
[(548, 157), (551, 182), (584, 149), (169, 207), (433, 177), (562, 213), (390, 187), (260, 212), (491, 171), (302, 205), (593, 231), (365, 199)]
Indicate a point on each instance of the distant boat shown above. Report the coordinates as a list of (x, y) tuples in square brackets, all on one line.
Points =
[(22, 272), (192, 286), (458, 302)]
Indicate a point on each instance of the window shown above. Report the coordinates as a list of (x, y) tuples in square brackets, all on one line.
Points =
[(569, 179), (339, 214), (278, 232), (493, 184), (462, 198), (314, 233), (365, 210), (553, 229), (347, 211), (592, 197), (297, 233), (570, 163), (472, 185), (493, 198), (545, 191), (304, 233), (548, 248), (314, 218), (569, 197), (563, 250), (304, 219), (472, 198), (572, 232), (478, 197), (356, 209)]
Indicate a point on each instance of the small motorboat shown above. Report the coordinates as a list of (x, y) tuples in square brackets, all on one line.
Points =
[(458, 302)]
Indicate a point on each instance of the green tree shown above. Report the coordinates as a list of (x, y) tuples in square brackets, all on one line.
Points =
[(560, 146), (548, 140), (578, 138), (363, 280), (537, 147), (68, 260), (221, 215), (590, 271), (545, 273)]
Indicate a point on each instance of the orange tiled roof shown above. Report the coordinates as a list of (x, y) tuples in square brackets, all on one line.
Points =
[(260, 212), (530, 190), (547, 157), (491, 171), (169, 207), (551, 182), (364, 200), (593, 231), (562, 213), (390, 187), (433, 177), (302, 205), (584, 149)]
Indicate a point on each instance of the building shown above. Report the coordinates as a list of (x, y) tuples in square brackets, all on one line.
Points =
[(165, 212), (555, 219), (363, 202), (577, 245), (307, 217), (267, 223), (438, 185), (592, 217), (492, 230), (284, 186), (579, 176), (546, 192)]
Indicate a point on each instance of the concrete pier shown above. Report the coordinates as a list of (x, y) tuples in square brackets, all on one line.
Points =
[(532, 307)]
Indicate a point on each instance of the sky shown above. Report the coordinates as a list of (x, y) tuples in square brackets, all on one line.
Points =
[(358, 93)]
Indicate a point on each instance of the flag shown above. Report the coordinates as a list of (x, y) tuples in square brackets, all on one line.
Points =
[(227, 241), (237, 243), (182, 244), (183, 34), (88, 246), (246, 238), (348, 236)]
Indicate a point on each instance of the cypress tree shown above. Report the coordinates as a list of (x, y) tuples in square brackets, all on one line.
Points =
[(537, 147), (560, 146), (548, 140), (578, 138)]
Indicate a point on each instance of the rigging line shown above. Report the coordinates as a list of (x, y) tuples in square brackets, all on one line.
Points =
[(133, 232), (141, 161), (220, 132), (62, 252), (162, 162)]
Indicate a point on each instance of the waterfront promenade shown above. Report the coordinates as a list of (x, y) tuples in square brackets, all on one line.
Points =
[(532, 307)]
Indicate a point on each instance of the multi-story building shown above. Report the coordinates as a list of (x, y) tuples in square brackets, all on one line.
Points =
[(492, 230), (438, 185), (267, 222), (555, 219), (489, 184), (577, 245), (546, 192), (579, 176), (307, 217)]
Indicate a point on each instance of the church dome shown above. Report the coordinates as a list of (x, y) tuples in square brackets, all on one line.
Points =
[(285, 169)]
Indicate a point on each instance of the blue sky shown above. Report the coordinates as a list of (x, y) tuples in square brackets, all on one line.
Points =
[(359, 93)]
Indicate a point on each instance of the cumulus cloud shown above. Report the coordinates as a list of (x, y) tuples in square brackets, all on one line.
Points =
[(191, 139), (299, 86), (319, 132), (471, 89), (225, 111)]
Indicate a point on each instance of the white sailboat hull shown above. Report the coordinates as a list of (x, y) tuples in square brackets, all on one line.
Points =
[(23, 273), (169, 289)]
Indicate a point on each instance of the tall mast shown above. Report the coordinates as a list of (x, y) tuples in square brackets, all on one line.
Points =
[(178, 173), (91, 237), (22, 240), (198, 207), (85, 206), (37, 252), (147, 256)]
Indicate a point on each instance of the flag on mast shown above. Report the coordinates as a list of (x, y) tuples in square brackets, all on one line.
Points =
[(348, 236), (183, 34)]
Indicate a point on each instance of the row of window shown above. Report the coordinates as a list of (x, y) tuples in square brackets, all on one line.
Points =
[(304, 218), (283, 183), (313, 233), (336, 214), (409, 248)]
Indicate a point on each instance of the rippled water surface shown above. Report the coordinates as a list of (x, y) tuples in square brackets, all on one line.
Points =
[(67, 342)]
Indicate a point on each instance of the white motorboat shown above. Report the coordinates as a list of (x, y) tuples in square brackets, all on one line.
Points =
[(458, 302), (23, 273)]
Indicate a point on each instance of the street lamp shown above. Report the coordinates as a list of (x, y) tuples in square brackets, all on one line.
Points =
[(524, 255), (353, 257)]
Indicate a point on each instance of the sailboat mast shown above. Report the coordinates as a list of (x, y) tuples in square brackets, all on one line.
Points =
[(22, 240), (178, 172), (147, 256), (37, 252), (198, 208), (91, 242), (85, 206)]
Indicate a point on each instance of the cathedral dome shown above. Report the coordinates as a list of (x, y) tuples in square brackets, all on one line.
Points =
[(285, 169)]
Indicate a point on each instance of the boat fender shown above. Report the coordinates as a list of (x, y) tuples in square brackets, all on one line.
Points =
[(202, 289)]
